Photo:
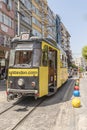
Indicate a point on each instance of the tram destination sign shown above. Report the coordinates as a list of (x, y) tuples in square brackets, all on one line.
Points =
[(25, 36)]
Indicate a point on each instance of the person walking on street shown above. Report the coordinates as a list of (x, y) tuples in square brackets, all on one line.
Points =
[(0, 70)]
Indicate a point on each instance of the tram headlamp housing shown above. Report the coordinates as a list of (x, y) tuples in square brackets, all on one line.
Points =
[(20, 82)]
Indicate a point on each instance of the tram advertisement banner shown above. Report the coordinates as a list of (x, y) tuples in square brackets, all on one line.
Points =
[(22, 72)]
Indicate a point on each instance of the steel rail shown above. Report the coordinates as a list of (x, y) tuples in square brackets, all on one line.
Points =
[(30, 112)]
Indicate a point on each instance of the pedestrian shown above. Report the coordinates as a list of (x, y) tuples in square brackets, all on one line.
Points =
[(0, 70), (3, 72)]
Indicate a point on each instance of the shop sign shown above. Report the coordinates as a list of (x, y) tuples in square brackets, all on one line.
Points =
[(25, 36)]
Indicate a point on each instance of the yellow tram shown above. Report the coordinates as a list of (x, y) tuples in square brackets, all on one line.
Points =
[(37, 67)]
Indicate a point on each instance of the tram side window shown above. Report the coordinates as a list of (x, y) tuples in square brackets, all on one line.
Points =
[(64, 61), (45, 56)]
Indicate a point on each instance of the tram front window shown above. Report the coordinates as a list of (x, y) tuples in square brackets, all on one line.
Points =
[(29, 57), (23, 57)]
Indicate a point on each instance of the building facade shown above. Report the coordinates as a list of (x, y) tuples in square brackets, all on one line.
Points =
[(44, 17), (65, 43), (35, 17), (39, 17), (80, 62), (51, 26), (6, 27), (58, 30)]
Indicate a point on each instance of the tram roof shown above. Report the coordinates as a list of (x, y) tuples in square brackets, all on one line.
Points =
[(48, 40)]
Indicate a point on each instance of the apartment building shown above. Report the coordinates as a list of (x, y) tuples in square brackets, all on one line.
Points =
[(80, 62), (39, 11), (6, 27), (65, 43)]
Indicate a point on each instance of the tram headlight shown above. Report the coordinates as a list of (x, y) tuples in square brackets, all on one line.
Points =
[(20, 82)]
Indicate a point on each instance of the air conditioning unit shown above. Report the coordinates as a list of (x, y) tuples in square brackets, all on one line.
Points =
[(8, 7)]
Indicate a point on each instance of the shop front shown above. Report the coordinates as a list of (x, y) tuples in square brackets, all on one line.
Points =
[(3, 61)]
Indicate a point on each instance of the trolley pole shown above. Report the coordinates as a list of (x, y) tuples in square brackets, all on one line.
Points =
[(18, 17)]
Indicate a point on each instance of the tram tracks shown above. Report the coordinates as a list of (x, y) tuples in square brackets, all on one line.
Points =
[(12, 117), (13, 105), (25, 117), (6, 110)]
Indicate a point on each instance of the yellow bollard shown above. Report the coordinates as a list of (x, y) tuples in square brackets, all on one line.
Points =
[(76, 102)]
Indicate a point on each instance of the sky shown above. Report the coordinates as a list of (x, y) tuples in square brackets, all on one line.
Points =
[(73, 14)]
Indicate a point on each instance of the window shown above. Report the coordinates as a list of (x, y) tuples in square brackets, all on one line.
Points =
[(36, 33), (63, 60), (36, 11), (23, 29), (6, 20), (0, 17), (23, 57), (27, 4), (8, 2), (26, 19), (35, 21), (29, 57), (36, 57)]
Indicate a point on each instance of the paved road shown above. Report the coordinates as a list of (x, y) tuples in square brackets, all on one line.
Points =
[(81, 113), (3, 91)]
